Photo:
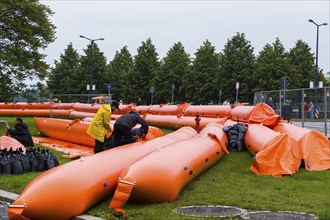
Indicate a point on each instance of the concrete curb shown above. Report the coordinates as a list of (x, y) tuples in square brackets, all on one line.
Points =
[(11, 197)]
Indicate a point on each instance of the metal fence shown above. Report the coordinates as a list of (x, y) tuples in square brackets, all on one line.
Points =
[(82, 98), (305, 107)]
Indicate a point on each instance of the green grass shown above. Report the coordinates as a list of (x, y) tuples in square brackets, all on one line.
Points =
[(229, 182)]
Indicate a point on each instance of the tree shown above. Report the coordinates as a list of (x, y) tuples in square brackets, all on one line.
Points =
[(25, 30), (172, 71), (119, 69), (302, 61), (146, 64), (272, 66), (200, 85), (100, 74), (63, 77), (237, 65)]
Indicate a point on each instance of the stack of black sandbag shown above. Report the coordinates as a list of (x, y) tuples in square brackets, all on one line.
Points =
[(235, 134), (34, 160)]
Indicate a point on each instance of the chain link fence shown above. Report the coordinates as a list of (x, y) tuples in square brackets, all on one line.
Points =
[(305, 107)]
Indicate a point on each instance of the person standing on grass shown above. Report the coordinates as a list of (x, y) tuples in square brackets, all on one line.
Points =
[(21, 133), (311, 110), (123, 128), (101, 125)]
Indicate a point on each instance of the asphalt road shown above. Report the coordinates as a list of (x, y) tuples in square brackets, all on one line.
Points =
[(320, 126)]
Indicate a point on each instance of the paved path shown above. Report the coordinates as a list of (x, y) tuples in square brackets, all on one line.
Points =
[(320, 126), (3, 212)]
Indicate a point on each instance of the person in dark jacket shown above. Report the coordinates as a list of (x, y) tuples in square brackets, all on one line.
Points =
[(21, 133), (123, 128)]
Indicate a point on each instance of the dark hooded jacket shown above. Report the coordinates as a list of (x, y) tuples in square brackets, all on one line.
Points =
[(131, 119), (22, 134)]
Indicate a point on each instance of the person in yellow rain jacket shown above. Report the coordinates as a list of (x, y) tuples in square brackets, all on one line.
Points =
[(100, 125)]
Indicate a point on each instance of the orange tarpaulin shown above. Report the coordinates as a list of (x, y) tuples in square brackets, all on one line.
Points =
[(315, 146), (72, 151), (275, 154), (261, 113)]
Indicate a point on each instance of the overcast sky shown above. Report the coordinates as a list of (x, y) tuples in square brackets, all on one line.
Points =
[(128, 23)]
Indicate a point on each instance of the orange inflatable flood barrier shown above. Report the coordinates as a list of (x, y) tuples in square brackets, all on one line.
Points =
[(75, 131), (210, 111), (35, 112), (166, 109), (161, 175), (25, 105), (72, 188), (315, 146), (175, 122), (65, 130), (275, 153)]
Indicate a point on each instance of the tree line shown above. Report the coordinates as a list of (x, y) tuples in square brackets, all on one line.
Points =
[(202, 78)]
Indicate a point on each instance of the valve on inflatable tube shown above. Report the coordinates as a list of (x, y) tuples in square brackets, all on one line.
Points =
[(197, 119)]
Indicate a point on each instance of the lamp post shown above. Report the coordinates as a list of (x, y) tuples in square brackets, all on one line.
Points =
[(91, 64), (317, 53)]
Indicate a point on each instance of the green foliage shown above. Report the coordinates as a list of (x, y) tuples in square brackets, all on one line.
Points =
[(25, 30), (100, 76), (272, 65), (200, 84), (174, 67), (146, 65), (65, 73), (237, 65), (302, 62), (119, 69)]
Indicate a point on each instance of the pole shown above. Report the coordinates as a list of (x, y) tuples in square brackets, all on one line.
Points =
[(302, 108), (91, 64), (91, 72), (325, 113), (316, 58)]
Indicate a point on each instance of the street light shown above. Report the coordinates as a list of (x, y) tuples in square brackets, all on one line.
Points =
[(317, 54), (91, 64)]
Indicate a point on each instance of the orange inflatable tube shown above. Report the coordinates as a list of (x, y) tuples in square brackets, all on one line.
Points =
[(35, 112), (77, 114), (75, 131), (174, 122), (161, 175), (83, 107), (70, 189), (210, 111), (65, 130), (314, 145), (166, 109), (25, 105)]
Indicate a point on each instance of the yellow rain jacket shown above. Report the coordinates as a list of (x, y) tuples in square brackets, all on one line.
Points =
[(101, 123)]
